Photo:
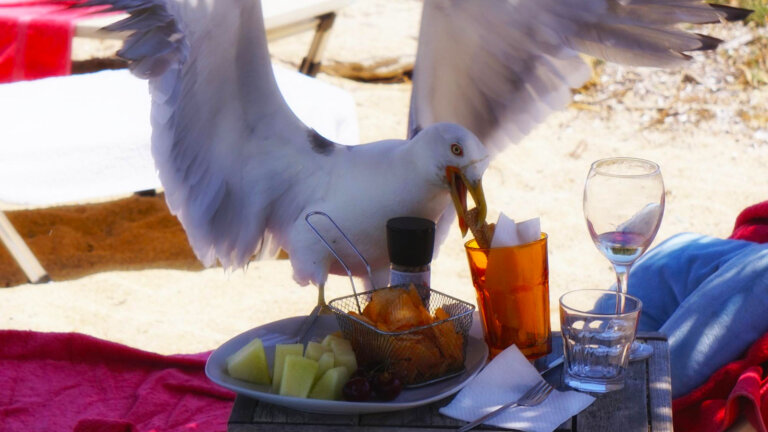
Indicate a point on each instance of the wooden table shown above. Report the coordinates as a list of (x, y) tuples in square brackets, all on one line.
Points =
[(645, 404)]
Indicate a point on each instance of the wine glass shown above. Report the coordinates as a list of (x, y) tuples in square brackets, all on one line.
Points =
[(623, 206)]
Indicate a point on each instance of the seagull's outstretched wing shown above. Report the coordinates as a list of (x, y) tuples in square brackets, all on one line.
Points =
[(227, 147), (498, 67)]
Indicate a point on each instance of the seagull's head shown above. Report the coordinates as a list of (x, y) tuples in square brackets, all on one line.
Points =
[(460, 161)]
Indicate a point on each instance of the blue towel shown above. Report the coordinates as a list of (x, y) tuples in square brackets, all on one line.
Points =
[(709, 295)]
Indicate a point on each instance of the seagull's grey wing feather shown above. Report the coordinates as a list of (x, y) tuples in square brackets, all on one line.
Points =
[(227, 147), (499, 67)]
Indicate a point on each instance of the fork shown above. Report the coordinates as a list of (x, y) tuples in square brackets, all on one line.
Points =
[(534, 396)]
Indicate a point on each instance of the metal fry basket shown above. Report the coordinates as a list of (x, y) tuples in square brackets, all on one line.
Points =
[(420, 355)]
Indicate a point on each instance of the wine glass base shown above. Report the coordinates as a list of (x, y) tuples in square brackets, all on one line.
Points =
[(640, 351)]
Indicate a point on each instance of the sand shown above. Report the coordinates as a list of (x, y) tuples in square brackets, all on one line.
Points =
[(161, 301)]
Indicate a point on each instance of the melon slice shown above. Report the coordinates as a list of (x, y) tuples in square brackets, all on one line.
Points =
[(281, 352), (330, 338), (249, 363), (315, 350), (298, 376), (343, 354), (330, 385), (324, 363)]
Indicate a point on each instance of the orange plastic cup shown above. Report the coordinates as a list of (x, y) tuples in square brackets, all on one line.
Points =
[(512, 286)]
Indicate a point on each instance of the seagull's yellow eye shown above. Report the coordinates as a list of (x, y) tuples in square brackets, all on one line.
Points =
[(457, 150)]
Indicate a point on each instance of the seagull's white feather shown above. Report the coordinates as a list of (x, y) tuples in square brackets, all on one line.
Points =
[(400, 186), (232, 157), (481, 68), (241, 171), (499, 67)]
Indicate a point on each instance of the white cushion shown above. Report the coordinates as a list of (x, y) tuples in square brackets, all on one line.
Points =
[(85, 137)]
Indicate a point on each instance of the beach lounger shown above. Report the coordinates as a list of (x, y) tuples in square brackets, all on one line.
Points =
[(86, 137), (282, 18), (36, 36)]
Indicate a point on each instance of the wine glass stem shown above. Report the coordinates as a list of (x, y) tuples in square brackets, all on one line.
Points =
[(622, 276), (639, 350)]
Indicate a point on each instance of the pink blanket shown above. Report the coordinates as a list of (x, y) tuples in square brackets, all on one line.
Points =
[(73, 382), (36, 38)]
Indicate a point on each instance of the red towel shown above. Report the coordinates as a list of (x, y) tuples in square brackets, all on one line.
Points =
[(737, 388), (752, 224), (72, 382), (740, 387), (36, 38)]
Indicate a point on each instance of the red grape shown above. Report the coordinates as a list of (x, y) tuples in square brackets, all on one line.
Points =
[(357, 389), (386, 386)]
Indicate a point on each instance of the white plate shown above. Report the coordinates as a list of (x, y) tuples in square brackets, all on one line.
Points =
[(215, 368)]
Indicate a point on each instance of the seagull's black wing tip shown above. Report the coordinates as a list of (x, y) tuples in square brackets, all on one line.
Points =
[(732, 13), (708, 42)]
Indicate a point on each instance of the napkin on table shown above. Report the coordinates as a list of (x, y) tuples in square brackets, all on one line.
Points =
[(509, 233), (507, 377)]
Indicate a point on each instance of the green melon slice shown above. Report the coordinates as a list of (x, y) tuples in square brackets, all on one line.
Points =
[(324, 363), (249, 363), (315, 350), (344, 355), (298, 376), (281, 352), (330, 385)]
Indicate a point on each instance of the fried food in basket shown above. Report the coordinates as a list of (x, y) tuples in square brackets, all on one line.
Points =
[(416, 356), (450, 342), (397, 309)]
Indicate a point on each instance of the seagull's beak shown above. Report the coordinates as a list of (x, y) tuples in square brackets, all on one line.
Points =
[(459, 185)]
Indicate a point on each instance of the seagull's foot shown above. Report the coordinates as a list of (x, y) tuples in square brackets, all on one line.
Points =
[(321, 295), (324, 309)]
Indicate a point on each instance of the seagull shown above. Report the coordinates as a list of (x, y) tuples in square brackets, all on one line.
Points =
[(242, 172)]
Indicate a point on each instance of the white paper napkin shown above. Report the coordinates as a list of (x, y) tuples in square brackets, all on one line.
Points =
[(504, 379), (509, 233), (528, 231), (505, 233)]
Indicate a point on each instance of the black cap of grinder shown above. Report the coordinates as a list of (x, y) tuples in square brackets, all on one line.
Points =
[(410, 241)]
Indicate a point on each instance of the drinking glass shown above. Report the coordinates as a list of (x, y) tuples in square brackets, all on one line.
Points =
[(597, 338), (512, 286), (623, 206)]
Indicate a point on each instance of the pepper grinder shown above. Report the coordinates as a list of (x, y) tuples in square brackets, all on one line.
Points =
[(410, 242)]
